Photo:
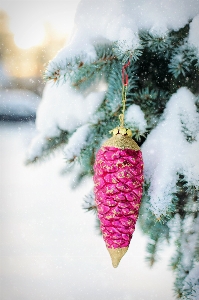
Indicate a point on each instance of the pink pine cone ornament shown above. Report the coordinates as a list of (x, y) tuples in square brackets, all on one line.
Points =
[(118, 183)]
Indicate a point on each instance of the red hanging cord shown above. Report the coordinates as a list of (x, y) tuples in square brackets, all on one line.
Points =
[(124, 74)]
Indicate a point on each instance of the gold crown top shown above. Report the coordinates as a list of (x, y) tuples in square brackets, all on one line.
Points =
[(122, 138), (122, 131)]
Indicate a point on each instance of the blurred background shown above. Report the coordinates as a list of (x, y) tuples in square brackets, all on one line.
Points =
[(31, 33), (49, 247)]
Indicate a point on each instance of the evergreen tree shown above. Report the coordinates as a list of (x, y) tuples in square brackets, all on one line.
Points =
[(82, 102)]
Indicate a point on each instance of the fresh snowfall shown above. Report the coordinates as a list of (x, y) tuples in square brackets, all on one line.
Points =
[(72, 107)]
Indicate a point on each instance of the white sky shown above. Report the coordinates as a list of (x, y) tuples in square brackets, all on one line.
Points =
[(27, 18)]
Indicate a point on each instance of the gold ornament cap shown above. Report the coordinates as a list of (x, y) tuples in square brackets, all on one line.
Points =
[(122, 138)]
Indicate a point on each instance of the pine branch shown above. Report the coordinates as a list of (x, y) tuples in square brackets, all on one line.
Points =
[(131, 55), (48, 146), (154, 43), (183, 61), (88, 73)]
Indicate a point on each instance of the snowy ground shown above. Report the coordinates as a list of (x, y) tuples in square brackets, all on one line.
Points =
[(49, 247), (18, 105)]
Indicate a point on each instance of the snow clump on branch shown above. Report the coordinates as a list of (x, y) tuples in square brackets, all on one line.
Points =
[(121, 20), (62, 109), (172, 149), (76, 142), (134, 118)]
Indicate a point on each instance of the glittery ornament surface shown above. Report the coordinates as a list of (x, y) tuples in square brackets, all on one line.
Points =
[(123, 142), (118, 190)]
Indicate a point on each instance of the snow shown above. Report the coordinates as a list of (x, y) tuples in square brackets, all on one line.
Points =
[(193, 280), (134, 117), (76, 142), (36, 147), (167, 153), (128, 39), (189, 241), (193, 38), (21, 103), (166, 150), (121, 20), (64, 108)]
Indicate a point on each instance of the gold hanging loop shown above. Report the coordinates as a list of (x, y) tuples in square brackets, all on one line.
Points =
[(121, 129), (121, 116)]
